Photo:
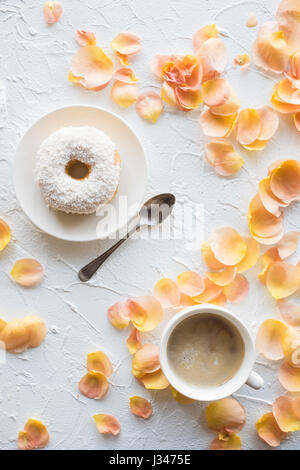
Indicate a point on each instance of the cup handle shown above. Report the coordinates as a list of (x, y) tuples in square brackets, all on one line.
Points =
[(255, 380)]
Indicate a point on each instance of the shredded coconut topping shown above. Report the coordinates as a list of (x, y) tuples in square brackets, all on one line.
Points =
[(89, 146)]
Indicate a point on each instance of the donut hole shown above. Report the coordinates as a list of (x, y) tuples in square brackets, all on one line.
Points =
[(77, 169)]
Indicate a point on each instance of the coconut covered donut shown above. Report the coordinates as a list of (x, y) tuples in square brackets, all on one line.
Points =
[(78, 169)]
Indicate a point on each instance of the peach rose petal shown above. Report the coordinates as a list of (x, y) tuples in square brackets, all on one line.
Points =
[(167, 94), (186, 301), (286, 411), (134, 342), (271, 203), (256, 146), (203, 34), (248, 126), (217, 126), (291, 346), (226, 415), (140, 407), (52, 12), (119, 314), (126, 43), (209, 258), (231, 106), (269, 431), (149, 106), (167, 292), (237, 290), (223, 278), (91, 68), (222, 156), (35, 328), (269, 257), (145, 360), (220, 300), (159, 62), (265, 227), (251, 21), (107, 424), (280, 106), (122, 58), (182, 399), (285, 181), (190, 283), (34, 436), (289, 312), (155, 381), (251, 256), (145, 312), (226, 441), (99, 362), (190, 70), (228, 246), (125, 75), (215, 92), (213, 58), (296, 117), (93, 385), (210, 293), (270, 50), (124, 94), (269, 121), (242, 60), (269, 339), (15, 336), (188, 98), (27, 272), (85, 38), (287, 93), (282, 279), (5, 234), (288, 18), (288, 244), (289, 377)]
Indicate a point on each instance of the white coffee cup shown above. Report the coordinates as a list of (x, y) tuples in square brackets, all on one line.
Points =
[(245, 374)]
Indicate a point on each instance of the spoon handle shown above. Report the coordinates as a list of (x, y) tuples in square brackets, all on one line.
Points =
[(89, 270)]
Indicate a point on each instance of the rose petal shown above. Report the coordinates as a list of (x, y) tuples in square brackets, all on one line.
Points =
[(209, 258), (264, 226), (226, 415), (167, 94), (34, 436), (126, 43), (269, 257), (125, 75), (15, 336), (183, 400), (269, 121), (289, 312), (222, 156), (291, 346), (186, 301), (91, 68), (122, 58), (189, 71), (215, 92), (107, 424), (85, 38), (256, 146), (228, 246), (210, 293), (269, 339), (190, 283), (140, 407), (287, 93), (251, 21), (251, 256), (231, 106), (5, 234), (219, 300), (269, 431), (149, 106), (212, 56), (146, 360), (280, 106), (296, 117), (223, 278), (159, 62), (289, 377), (52, 12), (27, 272), (155, 381), (286, 411), (285, 180), (288, 17), (282, 279), (248, 126), (188, 98), (214, 125), (167, 292), (237, 290), (124, 94), (119, 314), (99, 362), (271, 203), (145, 312), (36, 329), (93, 385), (134, 342), (270, 50), (226, 441), (242, 60), (203, 34), (288, 244)]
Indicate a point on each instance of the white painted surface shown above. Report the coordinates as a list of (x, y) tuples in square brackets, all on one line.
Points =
[(42, 382)]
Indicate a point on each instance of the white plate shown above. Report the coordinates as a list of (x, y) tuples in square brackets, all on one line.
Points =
[(132, 181)]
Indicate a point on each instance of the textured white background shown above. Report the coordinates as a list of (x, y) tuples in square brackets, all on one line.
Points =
[(34, 65)]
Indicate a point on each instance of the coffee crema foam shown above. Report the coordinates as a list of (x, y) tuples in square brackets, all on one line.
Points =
[(205, 350)]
